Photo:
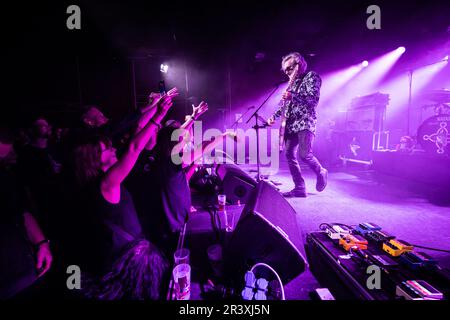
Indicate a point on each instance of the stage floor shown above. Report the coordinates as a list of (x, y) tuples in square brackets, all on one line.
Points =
[(415, 213)]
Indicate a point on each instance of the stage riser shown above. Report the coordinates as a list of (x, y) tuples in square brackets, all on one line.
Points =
[(423, 168)]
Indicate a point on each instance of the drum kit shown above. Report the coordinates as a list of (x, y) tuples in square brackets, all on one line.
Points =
[(434, 133)]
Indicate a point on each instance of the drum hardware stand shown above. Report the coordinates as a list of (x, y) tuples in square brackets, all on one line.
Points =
[(410, 75)]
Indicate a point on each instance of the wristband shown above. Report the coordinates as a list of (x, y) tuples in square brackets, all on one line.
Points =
[(156, 124)]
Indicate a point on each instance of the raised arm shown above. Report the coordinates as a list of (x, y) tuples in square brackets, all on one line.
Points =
[(197, 111), (149, 111), (206, 147), (114, 176)]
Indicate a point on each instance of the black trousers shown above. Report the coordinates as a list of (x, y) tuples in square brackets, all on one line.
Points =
[(300, 143)]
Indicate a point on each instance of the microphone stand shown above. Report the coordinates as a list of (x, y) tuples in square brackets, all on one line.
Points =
[(242, 115), (257, 127)]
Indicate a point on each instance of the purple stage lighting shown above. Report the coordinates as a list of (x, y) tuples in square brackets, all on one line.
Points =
[(398, 87), (332, 82), (401, 50), (363, 81), (164, 68), (367, 81)]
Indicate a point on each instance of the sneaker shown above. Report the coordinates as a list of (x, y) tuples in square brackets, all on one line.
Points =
[(295, 193), (322, 179)]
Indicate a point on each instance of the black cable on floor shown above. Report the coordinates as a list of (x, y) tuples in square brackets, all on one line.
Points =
[(428, 248)]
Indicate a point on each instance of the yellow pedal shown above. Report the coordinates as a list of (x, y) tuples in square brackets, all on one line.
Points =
[(397, 247)]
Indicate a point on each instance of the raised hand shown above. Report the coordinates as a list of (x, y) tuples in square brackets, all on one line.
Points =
[(197, 111), (270, 121), (164, 103), (172, 92)]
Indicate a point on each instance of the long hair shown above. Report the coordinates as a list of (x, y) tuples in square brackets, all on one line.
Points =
[(139, 274), (87, 158)]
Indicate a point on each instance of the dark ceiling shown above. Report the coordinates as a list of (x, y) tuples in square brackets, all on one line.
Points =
[(48, 68)]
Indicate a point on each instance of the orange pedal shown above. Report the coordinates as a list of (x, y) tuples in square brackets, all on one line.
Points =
[(350, 241)]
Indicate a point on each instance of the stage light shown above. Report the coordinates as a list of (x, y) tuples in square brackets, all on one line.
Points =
[(374, 72), (445, 58), (401, 50), (398, 86), (365, 81), (164, 68)]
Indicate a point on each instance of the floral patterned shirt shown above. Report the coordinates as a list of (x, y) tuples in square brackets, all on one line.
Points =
[(301, 110)]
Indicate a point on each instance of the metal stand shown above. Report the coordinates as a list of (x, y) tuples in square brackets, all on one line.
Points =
[(411, 73), (257, 127), (236, 123)]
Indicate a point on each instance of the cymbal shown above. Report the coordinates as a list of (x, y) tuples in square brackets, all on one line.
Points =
[(437, 96)]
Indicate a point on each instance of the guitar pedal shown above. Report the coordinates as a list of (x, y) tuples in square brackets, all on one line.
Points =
[(417, 260), (354, 242), (397, 247), (364, 228), (336, 232), (379, 236)]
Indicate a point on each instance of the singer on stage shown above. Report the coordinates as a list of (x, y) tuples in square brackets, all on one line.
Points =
[(298, 107)]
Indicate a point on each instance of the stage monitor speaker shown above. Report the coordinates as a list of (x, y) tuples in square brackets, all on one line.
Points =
[(267, 232), (236, 184)]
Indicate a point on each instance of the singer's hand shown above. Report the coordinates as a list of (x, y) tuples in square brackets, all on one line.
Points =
[(270, 121), (287, 96)]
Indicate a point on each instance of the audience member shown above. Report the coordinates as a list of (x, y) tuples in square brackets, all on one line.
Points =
[(118, 262)]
